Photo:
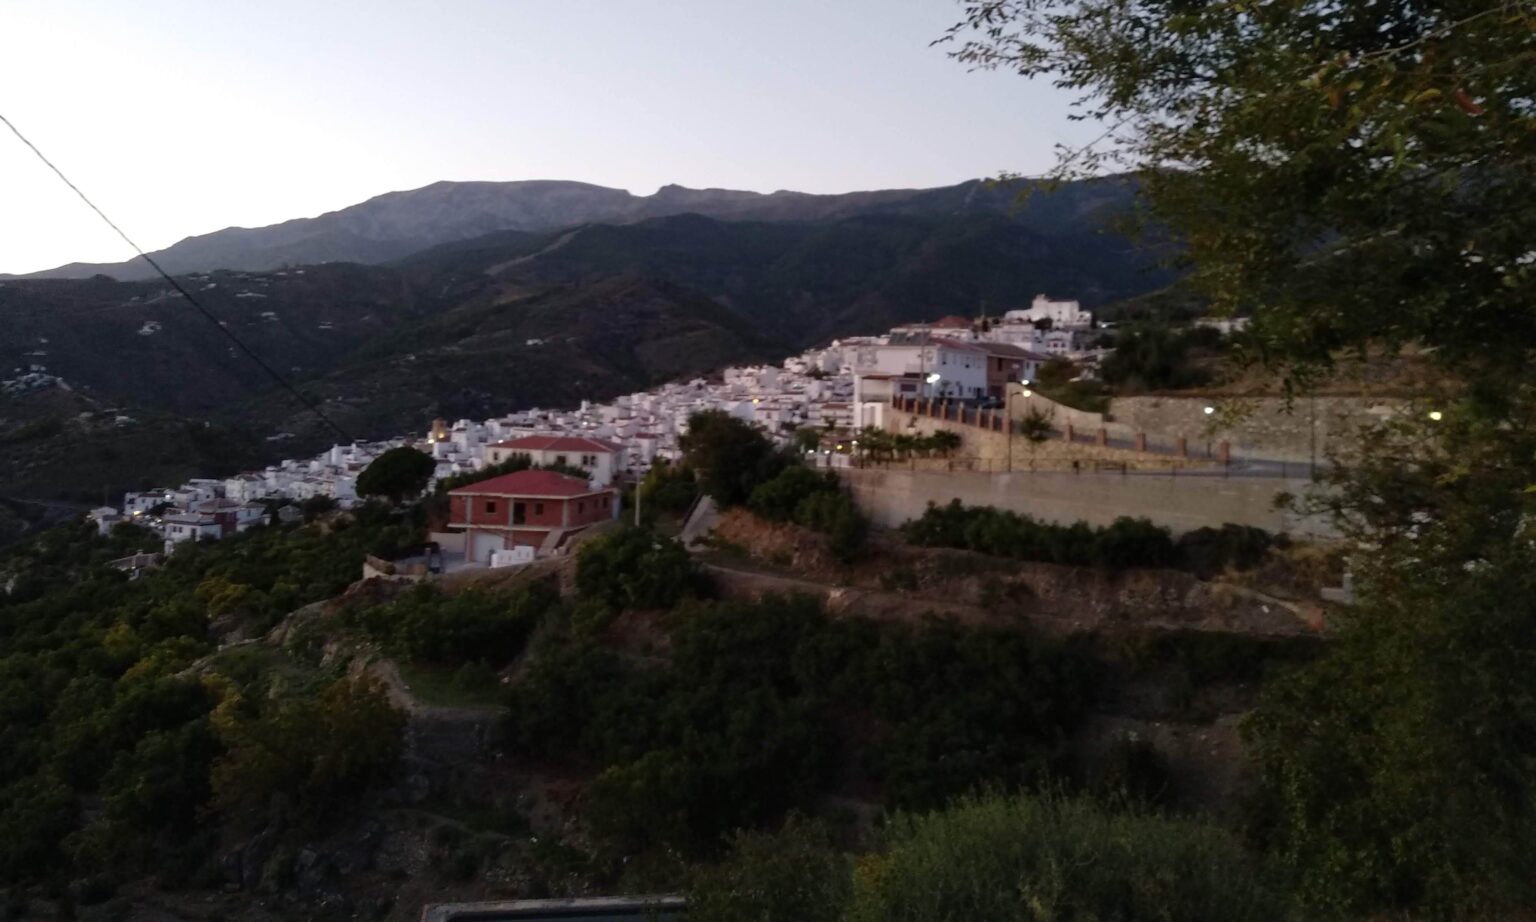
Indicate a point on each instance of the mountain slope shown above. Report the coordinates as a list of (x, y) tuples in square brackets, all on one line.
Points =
[(801, 282), (513, 346), (141, 342), (395, 224)]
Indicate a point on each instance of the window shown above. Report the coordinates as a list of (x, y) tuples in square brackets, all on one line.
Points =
[(581, 506), (560, 459), (490, 507), (519, 513), (589, 460), (538, 508)]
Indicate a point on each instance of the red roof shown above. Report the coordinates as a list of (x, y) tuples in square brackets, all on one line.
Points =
[(530, 483), (952, 322), (557, 443)]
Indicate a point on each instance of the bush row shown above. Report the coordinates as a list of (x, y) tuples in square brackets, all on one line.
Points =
[(1125, 543)]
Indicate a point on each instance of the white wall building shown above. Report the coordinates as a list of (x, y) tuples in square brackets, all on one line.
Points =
[(1059, 313), (597, 457)]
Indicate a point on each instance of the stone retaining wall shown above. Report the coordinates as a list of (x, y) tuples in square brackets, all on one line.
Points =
[(1258, 427), (891, 497)]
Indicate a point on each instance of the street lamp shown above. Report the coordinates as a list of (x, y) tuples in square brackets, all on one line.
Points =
[(1008, 412), (1436, 415)]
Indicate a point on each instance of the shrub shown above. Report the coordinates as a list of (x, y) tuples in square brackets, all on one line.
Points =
[(777, 499), (667, 488), (1125, 543), (737, 727), (633, 568), (320, 754), (793, 875), (425, 623), (1029, 858), (1207, 552), (814, 501)]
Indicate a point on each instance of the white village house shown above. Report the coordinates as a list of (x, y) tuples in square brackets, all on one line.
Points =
[(597, 457)]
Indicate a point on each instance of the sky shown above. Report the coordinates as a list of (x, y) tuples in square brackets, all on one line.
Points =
[(181, 117)]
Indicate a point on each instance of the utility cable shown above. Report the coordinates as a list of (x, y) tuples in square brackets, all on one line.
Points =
[(282, 381)]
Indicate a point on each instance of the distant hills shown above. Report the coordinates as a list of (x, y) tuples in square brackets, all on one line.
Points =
[(515, 317), (397, 224)]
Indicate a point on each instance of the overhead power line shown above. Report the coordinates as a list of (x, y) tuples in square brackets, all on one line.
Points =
[(282, 381)]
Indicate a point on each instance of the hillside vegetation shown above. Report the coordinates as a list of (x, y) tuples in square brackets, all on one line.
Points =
[(208, 727)]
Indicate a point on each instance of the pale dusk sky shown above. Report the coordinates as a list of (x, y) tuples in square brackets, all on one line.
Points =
[(181, 117)]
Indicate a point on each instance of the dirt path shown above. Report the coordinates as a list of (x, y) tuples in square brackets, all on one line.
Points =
[(562, 241), (857, 601)]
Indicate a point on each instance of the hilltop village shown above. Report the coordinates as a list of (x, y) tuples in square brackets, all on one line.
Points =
[(839, 390)]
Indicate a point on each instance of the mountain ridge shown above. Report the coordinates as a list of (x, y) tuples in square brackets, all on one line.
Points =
[(393, 225)]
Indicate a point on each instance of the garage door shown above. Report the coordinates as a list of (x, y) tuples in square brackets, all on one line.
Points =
[(485, 544)]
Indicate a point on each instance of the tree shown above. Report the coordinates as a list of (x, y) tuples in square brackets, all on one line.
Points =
[(806, 439), (1156, 358), (667, 488), (1356, 174), (1057, 372), (1035, 426), (318, 754), (1357, 178), (1427, 686), (945, 442), (398, 474), (728, 457)]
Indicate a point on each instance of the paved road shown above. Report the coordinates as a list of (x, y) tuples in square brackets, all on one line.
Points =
[(701, 521)]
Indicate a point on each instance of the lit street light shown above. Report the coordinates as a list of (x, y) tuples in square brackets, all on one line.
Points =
[(1436, 415)]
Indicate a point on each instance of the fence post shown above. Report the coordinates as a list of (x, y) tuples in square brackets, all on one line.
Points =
[(1183, 447), (1141, 441), (1224, 452), (1070, 435), (1103, 440)]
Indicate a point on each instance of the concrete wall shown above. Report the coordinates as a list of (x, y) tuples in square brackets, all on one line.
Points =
[(1257, 427), (1060, 415), (987, 450), (451, 542), (1181, 503)]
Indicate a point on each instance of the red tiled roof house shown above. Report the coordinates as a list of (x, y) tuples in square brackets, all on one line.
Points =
[(539, 509), (596, 456)]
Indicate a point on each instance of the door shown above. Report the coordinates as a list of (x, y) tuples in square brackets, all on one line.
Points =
[(486, 542)]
